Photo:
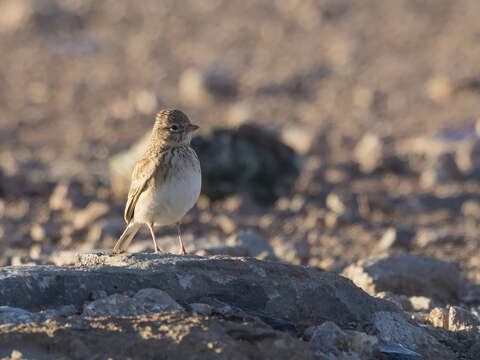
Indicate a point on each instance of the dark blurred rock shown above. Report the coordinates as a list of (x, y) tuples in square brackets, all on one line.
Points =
[(200, 308), (248, 159), (407, 274)]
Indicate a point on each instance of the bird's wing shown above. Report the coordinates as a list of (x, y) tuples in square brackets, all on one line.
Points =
[(142, 173)]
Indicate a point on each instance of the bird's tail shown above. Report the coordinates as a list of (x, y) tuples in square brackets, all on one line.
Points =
[(126, 238)]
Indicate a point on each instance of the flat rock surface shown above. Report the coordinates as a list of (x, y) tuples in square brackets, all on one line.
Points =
[(295, 293)]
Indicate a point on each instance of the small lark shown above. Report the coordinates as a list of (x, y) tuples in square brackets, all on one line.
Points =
[(166, 181)]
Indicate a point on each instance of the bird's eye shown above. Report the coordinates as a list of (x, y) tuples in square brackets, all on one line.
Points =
[(174, 127)]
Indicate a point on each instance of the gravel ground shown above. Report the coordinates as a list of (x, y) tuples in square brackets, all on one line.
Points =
[(360, 90)]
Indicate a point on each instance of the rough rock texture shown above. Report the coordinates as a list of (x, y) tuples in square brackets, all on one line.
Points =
[(173, 335), (298, 294), (407, 274)]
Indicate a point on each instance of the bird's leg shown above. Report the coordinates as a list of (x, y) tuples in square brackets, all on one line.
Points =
[(180, 240), (152, 231)]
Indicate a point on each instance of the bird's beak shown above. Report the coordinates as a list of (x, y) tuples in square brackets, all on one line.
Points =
[(193, 127)]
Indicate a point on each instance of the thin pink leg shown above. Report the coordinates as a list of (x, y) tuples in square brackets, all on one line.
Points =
[(157, 249), (180, 240)]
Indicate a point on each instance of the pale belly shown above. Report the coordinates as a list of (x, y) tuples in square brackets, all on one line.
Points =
[(169, 202)]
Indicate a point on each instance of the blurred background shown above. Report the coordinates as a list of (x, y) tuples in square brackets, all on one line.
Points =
[(331, 129)]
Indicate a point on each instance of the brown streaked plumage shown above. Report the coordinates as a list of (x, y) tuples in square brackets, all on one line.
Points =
[(166, 181)]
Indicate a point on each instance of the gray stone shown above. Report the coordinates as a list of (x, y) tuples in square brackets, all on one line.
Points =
[(255, 244), (145, 302), (394, 351), (407, 274), (14, 315), (298, 294), (394, 327), (200, 308)]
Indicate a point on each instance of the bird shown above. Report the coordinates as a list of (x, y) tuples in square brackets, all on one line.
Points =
[(166, 180)]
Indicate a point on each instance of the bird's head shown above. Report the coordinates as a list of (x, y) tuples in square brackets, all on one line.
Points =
[(173, 127)]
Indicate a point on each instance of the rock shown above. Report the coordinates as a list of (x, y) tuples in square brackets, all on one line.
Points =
[(439, 88), (202, 309), (438, 317), (300, 139), (14, 315), (196, 87), (394, 351), (471, 208), (394, 327), (300, 295), (396, 238), (420, 303), (461, 319), (329, 340), (402, 301), (145, 301), (443, 169), (247, 159), (467, 158), (407, 274), (91, 213), (66, 196), (170, 335), (255, 244), (369, 152), (14, 14)]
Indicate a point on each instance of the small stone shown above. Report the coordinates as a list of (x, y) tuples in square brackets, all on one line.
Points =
[(438, 317), (253, 242), (395, 351), (65, 196), (14, 14), (369, 153), (146, 102), (328, 338), (396, 238), (156, 300), (461, 319), (468, 158), (92, 212), (202, 309), (402, 301), (443, 169), (191, 87), (16, 355), (471, 208), (439, 88), (38, 232), (300, 139), (420, 303), (407, 274), (226, 223)]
